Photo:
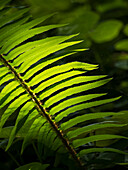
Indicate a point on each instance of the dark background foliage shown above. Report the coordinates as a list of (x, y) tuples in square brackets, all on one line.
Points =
[(103, 25)]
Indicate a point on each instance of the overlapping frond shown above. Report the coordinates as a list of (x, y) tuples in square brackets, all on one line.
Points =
[(48, 96)]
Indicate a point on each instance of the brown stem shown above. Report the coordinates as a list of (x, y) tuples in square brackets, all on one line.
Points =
[(42, 111)]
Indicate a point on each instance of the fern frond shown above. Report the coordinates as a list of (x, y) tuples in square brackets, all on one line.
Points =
[(48, 96)]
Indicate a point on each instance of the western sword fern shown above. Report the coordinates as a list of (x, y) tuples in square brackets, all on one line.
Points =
[(47, 96)]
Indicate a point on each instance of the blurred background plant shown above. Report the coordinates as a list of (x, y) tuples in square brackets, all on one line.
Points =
[(103, 25)]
